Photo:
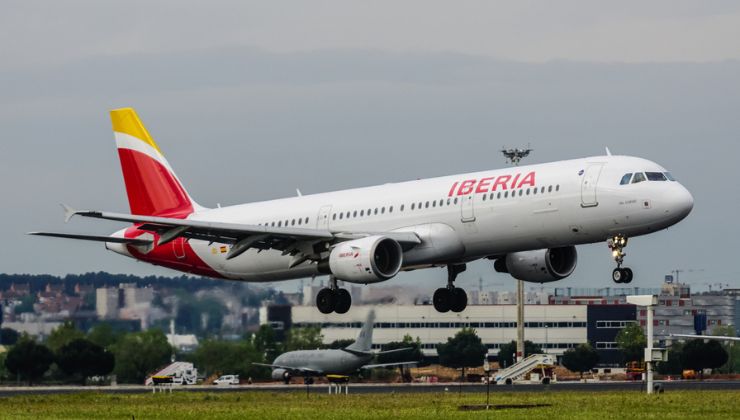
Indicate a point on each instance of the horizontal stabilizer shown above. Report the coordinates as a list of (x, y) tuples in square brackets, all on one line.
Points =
[(130, 241)]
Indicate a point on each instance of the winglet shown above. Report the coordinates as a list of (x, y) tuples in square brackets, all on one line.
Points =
[(68, 212), (608, 152)]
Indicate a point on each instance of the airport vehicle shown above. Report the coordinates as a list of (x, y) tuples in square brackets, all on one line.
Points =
[(227, 380), (333, 363), (176, 373), (526, 219), (542, 363)]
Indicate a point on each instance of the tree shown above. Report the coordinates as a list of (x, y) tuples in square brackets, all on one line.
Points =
[(104, 335), (731, 347), (413, 354), (265, 342), (463, 350), (306, 338), (227, 357), (82, 358), (632, 342), (700, 355), (62, 335), (340, 343), (8, 336), (29, 360), (673, 365), (507, 352), (138, 354), (581, 359)]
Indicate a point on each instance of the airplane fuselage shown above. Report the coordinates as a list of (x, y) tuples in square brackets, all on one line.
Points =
[(458, 218)]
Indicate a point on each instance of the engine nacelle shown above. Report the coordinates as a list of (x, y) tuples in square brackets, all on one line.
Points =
[(366, 260), (540, 266), (281, 374)]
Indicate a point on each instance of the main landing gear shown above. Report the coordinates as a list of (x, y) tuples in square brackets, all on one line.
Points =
[(333, 299), (617, 245), (451, 298)]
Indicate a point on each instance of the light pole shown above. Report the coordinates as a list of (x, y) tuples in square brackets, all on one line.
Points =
[(651, 354)]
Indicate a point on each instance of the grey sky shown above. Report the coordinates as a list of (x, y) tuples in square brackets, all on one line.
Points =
[(249, 101)]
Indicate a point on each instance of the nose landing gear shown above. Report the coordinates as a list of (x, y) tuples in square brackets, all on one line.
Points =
[(333, 299), (617, 245), (451, 298)]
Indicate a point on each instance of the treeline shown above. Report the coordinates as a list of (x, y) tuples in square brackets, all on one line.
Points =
[(38, 282)]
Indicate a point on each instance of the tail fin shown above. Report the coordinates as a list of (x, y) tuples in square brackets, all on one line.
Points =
[(364, 342), (152, 187)]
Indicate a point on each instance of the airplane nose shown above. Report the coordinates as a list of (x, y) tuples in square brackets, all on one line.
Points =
[(683, 202)]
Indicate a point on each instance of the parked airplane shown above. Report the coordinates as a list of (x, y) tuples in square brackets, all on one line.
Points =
[(311, 363), (526, 219)]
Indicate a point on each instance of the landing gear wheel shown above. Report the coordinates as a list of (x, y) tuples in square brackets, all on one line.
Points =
[(286, 378), (442, 300), (326, 301), (627, 275), (343, 301), (618, 275), (459, 300)]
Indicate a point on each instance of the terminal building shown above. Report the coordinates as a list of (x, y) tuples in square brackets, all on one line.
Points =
[(557, 322)]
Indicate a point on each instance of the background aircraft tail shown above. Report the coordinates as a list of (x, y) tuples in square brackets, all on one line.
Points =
[(364, 342), (152, 187)]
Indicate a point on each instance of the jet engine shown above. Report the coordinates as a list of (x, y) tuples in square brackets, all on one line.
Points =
[(540, 266), (281, 374), (367, 260)]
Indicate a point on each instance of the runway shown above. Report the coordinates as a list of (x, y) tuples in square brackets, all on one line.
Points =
[(378, 388)]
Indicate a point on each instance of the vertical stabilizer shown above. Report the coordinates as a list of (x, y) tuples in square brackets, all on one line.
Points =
[(364, 342), (152, 187)]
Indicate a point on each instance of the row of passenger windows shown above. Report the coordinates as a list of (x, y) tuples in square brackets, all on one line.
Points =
[(290, 222), (414, 206), (442, 202), (646, 176)]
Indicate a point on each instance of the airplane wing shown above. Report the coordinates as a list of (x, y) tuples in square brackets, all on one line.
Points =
[(304, 242), (130, 241), (292, 369), (388, 365), (707, 337)]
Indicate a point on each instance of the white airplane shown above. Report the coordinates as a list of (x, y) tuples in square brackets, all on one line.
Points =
[(526, 219)]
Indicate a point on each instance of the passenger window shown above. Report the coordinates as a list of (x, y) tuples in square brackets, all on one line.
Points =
[(549, 189), (506, 194), (354, 214), (292, 222), (521, 192), (455, 200), (499, 194), (557, 187), (334, 216), (484, 197), (402, 207), (655, 176), (341, 215), (376, 210), (542, 191), (390, 210), (412, 206), (426, 206), (441, 202), (639, 177), (448, 201), (306, 220), (280, 223), (527, 191), (382, 210), (362, 213), (626, 179)]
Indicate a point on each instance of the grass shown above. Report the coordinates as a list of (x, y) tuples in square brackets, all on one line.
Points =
[(268, 405)]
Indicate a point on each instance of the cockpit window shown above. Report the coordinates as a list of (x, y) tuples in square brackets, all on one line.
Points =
[(656, 176), (639, 177), (626, 179), (669, 176)]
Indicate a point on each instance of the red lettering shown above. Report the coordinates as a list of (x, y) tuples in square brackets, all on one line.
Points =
[(528, 180), (483, 185), (502, 180), (516, 178), (466, 187), (452, 190)]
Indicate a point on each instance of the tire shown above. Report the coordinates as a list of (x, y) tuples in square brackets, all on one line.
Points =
[(343, 301), (545, 381), (326, 301), (618, 275), (441, 300), (459, 300), (628, 275)]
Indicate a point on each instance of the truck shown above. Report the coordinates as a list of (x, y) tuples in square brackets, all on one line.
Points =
[(176, 373)]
